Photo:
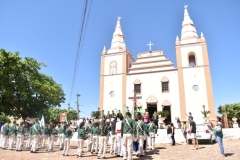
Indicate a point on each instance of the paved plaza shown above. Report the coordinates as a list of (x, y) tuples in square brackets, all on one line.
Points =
[(163, 151)]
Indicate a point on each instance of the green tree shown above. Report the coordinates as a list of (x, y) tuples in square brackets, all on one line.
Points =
[(163, 113), (232, 110), (24, 92), (95, 114), (53, 114), (205, 113), (72, 114), (4, 118)]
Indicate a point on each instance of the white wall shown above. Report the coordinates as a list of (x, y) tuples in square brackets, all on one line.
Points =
[(152, 69), (151, 86), (112, 83), (231, 133), (195, 99), (114, 57), (197, 49), (194, 76), (154, 58), (158, 63), (130, 61)]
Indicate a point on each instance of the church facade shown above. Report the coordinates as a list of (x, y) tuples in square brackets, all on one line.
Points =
[(161, 86)]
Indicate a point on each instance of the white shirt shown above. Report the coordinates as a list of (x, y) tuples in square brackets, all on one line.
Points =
[(118, 125)]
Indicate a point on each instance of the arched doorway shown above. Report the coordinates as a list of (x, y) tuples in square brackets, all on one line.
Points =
[(151, 105), (166, 106)]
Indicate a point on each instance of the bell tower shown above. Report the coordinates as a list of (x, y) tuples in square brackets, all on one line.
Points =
[(115, 64), (195, 84)]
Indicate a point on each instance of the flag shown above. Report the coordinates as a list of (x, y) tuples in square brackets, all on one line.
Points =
[(115, 110), (132, 112), (42, 122), (65, 119), (140, 110)]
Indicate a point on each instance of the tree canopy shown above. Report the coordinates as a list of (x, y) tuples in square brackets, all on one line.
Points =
[(4, 118), (232, 110), (95, 114), (24, 91), (53, 114)]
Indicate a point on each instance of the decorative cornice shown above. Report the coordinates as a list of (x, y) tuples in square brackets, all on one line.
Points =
[(163, 60), (166, 103), (137, 81), (190, 44), (149, 72), (145, 67), (165, 79), (150, 57), (152, 99)]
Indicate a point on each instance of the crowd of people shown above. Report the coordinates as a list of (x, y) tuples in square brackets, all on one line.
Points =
[(126, 136), (123, 135)]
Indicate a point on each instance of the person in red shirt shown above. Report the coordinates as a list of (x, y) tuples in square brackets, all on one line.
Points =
[(146, 117)]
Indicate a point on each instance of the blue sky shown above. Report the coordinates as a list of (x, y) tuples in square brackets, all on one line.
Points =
[(49, 30)]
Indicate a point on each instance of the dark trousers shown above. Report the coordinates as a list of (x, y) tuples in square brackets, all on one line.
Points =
[(173, 140), (144, 145), (156, 122), (135, 146)]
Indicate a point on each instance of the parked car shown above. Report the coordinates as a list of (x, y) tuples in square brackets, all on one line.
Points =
[(203, 133)]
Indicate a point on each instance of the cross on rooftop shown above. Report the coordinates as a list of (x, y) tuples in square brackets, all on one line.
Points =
[(150, 45)]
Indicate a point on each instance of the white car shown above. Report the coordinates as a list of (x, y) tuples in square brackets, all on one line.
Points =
[(204, 133)]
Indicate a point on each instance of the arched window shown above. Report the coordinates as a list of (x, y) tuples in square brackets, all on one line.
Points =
[(165, 84), (192, 60), (113, 67), (137, 86)]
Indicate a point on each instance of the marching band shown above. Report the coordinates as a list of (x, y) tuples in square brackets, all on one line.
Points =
[(124, 135)]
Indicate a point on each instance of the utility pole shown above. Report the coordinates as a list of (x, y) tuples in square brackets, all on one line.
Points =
[(69, 107), (78, 111)]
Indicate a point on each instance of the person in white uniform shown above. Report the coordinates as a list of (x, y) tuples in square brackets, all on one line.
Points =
[(88, 130), (112, 139), (118, 137), (1, 127), (5, 130), (95, 133)]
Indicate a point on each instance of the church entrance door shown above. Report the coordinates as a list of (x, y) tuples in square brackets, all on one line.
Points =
[(151, 109), (168, 119)]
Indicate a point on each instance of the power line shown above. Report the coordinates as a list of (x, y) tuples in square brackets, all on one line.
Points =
[(85, 113), (90, 6), (78, 47), (81, 35), (90, 100)]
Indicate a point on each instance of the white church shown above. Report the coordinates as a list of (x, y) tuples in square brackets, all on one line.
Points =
[(154, 78)]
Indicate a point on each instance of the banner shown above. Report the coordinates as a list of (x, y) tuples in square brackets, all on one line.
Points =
[(63, 117)]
